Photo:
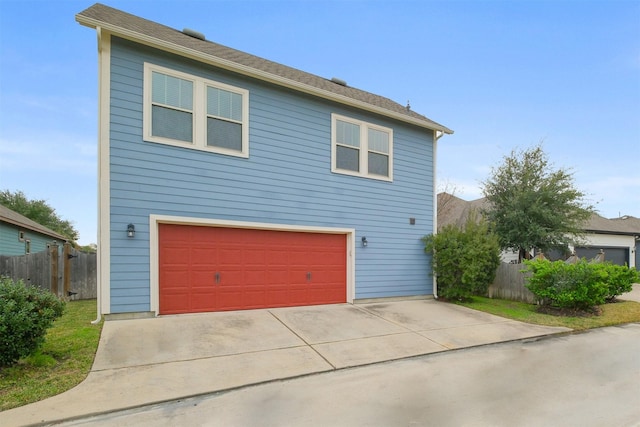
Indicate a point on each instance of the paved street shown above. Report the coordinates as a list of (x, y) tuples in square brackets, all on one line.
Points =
[(587, 379)]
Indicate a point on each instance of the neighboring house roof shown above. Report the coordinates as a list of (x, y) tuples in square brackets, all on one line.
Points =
[(454, 210), (14, 218), (624, 225), (150, 33)]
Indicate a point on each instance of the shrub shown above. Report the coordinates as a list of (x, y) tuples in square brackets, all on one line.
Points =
[(620, 279), (577, 286), (464, 260), (26, 313)]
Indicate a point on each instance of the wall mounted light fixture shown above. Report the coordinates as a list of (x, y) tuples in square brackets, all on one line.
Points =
[(131, 230), (364, 241)]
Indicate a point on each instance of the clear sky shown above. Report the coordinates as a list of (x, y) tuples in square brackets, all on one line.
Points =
[(503, 75)]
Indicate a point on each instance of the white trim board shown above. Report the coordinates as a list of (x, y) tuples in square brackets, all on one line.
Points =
[(104, 186), (154, 266)]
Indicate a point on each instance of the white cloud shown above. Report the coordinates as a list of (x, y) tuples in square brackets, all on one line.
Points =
[(47, 152)]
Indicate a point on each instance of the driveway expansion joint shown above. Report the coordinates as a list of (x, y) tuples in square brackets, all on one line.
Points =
[(303, 340)]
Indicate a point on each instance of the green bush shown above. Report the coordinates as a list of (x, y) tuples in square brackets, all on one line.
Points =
[(577, 286), (620, 279), (464, 260), (26, 313)]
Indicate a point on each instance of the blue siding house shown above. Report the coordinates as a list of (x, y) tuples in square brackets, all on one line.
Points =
[(20, 236), (231, 182)]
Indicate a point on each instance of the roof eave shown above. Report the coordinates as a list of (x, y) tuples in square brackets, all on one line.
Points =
[(612, 232), (251, 72), (29, 227)]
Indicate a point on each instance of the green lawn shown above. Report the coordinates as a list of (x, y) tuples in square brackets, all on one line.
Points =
[(64, 360), (612, 314)]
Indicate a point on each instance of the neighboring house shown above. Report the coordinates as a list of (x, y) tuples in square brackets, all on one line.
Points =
[(230, 182), (19, 235), (619, 238)]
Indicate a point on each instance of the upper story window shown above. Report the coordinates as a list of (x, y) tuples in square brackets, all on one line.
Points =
[(361, 149), (188, 111)]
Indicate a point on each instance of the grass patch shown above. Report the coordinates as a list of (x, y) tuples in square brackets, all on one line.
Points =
[(62, 362), (611, 314)]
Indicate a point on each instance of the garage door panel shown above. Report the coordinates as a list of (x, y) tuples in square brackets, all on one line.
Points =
[(203, 255), (174, 303), (176, 255), (254, 256), (229, 277), (254, 277), (216, 269), (619, 256), (276, 275), (277, 257), (254, 298)]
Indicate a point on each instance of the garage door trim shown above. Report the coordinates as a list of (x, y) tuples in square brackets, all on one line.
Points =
[(155, 220)]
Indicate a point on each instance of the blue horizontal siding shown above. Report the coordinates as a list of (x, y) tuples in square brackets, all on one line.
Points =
[(11, 245), (287, 179)]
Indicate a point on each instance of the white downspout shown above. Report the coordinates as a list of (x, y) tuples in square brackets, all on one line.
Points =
[(98, 267), (437, 135)]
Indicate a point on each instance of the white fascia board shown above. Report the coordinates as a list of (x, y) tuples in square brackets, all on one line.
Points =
[(252, 72)]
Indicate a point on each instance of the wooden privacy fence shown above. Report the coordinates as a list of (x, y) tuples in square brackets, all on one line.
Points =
[(509, 284), (60, 269)]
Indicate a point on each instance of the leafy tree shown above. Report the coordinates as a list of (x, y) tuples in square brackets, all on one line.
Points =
[(534, 205), (38, 211), (464, 259)]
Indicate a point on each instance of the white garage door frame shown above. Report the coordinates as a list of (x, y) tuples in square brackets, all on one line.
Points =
[(154, 248)]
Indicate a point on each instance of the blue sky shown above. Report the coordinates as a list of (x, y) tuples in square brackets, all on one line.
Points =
[(503, 75)]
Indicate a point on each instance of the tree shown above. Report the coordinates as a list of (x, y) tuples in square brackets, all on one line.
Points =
[(534, 205), (38, 211)]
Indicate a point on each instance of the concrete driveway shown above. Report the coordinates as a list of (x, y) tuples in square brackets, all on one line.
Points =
[(145, 361), (634, 295)]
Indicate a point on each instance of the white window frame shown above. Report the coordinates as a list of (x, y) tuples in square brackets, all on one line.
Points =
[(199, 112), (364, 148)]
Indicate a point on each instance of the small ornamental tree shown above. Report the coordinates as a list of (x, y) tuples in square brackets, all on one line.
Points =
[(26, 312), (532, 205), (464, 259)]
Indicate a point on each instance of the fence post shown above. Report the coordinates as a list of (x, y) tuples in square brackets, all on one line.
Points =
[(67, 269), (53, 262)]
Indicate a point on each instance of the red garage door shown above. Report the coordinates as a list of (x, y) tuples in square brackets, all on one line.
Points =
[(217, 269)]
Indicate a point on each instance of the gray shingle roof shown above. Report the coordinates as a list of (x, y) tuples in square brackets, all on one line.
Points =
[(625, 225), (12, 217), (454, 210), (132, 27)]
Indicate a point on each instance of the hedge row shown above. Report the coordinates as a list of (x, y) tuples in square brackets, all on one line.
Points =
[(578, 286)]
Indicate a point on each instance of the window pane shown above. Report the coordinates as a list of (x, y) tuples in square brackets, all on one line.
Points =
[(223, 103), (172, 91), (221, 133), (378, 164), (348, 158), (347, 133), (169, 123), (236, 106), (378, 141)]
